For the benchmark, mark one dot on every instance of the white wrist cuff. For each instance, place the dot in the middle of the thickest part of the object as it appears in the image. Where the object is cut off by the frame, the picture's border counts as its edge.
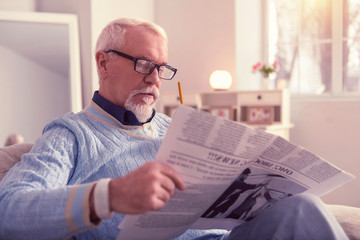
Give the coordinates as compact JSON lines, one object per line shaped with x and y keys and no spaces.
{"x":101,"y":199}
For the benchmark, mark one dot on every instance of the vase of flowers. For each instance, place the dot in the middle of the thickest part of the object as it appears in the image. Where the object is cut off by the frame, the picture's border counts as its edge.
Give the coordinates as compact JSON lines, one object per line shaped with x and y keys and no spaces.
{"x":267,"y":71}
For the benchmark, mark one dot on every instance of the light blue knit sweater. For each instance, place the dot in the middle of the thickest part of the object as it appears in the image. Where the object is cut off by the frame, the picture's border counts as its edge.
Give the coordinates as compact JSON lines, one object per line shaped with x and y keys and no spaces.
{"x":45,"y":196}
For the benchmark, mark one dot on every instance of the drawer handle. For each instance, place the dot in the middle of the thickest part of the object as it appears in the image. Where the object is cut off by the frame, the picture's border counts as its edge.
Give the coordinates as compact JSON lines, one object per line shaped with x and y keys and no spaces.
{"x":259,"y":97}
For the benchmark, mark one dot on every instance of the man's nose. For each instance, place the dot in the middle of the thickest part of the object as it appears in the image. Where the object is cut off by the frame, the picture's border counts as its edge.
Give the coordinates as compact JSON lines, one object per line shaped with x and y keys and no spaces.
{"x":153,"y":77}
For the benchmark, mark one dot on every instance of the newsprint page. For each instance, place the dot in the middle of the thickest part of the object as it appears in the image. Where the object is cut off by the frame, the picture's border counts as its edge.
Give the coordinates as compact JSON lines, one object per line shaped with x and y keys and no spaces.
{"x":231,"y":172}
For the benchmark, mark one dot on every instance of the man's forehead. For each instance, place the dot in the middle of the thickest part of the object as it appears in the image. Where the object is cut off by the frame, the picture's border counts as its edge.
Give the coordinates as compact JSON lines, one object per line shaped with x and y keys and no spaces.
{"x":144,"y":43}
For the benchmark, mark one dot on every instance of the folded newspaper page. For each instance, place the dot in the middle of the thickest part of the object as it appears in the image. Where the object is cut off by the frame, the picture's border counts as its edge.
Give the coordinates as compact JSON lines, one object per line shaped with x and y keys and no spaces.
{"x":232,"y":172}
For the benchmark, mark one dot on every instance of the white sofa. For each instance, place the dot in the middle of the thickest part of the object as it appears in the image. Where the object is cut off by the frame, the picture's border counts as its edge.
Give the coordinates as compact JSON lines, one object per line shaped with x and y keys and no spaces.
{"x":348,"y":217}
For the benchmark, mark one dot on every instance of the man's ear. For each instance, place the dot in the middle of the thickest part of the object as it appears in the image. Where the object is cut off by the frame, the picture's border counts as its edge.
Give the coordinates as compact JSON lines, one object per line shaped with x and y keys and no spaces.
{"x":102,"y":60}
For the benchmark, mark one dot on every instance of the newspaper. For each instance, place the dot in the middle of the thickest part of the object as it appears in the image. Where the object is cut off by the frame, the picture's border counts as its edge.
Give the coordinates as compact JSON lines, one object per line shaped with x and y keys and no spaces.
{"x":231,"y":172}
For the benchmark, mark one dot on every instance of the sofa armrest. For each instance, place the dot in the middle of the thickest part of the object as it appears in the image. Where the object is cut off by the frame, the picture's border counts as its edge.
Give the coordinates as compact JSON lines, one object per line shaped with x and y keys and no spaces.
{"x":10,"y":155}
{"x":349,"y":219}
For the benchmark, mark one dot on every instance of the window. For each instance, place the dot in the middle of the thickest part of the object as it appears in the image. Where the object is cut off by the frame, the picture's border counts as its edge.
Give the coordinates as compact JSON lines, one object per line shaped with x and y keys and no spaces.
{"x":317,"y":44}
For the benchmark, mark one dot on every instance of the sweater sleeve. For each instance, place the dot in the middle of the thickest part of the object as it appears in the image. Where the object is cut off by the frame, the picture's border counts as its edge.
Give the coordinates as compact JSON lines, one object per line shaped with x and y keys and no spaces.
{"x":36,"y":201}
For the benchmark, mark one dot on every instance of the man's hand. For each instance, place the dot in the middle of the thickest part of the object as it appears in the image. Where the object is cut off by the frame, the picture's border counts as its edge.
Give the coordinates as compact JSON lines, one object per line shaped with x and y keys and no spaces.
{"x":147,"y":188}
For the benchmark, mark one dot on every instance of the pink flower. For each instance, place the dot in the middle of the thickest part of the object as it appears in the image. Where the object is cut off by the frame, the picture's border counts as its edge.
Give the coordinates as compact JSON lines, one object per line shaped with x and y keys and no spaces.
{"x":257,"y":66}
{"x":264,"y":69}
{"x":276,"y":65}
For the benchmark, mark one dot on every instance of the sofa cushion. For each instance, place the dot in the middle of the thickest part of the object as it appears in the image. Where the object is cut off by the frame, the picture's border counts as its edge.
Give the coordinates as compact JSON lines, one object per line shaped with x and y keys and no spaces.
{"x":10,"y":155}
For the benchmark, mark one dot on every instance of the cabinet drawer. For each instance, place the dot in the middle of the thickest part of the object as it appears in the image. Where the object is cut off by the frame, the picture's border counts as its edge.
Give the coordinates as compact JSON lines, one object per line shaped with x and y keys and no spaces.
{"x":260,"y":98}
{"x":219,"y":99}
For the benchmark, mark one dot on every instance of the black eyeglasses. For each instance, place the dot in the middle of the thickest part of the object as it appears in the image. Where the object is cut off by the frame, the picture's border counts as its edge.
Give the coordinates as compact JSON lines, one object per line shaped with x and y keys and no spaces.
{"x":146,"y":67}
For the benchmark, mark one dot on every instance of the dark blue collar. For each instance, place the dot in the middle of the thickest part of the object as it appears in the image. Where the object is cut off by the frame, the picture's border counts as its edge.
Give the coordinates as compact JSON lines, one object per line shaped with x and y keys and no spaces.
{"x":126,"y":117}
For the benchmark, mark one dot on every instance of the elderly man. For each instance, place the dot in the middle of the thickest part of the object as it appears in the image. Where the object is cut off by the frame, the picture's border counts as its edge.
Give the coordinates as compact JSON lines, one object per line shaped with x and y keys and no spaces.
{"x":91,"y":168}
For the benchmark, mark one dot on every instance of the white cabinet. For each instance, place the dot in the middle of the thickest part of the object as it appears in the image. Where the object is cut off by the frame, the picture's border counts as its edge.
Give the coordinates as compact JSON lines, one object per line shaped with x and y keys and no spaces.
{"x":268,"y":110}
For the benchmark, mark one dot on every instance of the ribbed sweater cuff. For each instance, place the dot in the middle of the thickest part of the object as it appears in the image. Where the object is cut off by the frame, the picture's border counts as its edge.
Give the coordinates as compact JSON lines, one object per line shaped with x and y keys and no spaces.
{"x":101,"y":199}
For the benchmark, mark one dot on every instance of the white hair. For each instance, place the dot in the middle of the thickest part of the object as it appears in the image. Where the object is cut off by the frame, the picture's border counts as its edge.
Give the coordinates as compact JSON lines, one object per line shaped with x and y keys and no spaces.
{"x":113,"y":35}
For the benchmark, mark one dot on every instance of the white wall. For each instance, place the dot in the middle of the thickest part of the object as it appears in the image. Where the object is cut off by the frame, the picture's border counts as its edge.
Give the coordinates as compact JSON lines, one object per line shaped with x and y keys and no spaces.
{"x":249,"y":35}
{"x":25,"y":86}
{"x":207,"y":35}
{"x":17,"y":5}
{"x":330,"y":128}
{"x":201,"y":40}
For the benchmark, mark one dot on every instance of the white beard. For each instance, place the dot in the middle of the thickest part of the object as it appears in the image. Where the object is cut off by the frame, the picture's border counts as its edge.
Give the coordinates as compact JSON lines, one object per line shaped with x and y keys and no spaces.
{"x":143,"y":110}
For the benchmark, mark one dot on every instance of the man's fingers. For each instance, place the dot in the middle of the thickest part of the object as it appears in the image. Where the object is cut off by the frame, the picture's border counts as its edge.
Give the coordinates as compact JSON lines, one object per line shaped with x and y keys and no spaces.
{"x":168,"y":185}
{"x":164,"y":195}
{"x":147,"y":188}
{"x":174,"y":176}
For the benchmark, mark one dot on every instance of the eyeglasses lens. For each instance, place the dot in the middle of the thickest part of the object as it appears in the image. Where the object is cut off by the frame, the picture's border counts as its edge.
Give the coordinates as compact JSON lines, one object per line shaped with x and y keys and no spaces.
{"x":147,"y":67}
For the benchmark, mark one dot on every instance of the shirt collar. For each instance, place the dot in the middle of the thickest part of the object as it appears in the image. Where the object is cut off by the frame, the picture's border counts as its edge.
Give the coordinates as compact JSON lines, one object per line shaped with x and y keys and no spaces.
{"x":126,"y":117}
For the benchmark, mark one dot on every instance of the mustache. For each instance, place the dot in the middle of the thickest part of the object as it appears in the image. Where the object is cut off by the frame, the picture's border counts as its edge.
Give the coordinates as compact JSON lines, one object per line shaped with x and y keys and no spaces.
{"x":146,"y":90}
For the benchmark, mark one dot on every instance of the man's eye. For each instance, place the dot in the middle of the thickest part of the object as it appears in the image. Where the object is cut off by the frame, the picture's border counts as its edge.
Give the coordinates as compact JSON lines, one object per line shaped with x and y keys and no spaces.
{"x":144,"y":64}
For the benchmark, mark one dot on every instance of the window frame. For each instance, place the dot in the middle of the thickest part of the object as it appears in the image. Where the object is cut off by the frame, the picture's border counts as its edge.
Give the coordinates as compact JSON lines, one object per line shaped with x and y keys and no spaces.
{"x":337,"y":84}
